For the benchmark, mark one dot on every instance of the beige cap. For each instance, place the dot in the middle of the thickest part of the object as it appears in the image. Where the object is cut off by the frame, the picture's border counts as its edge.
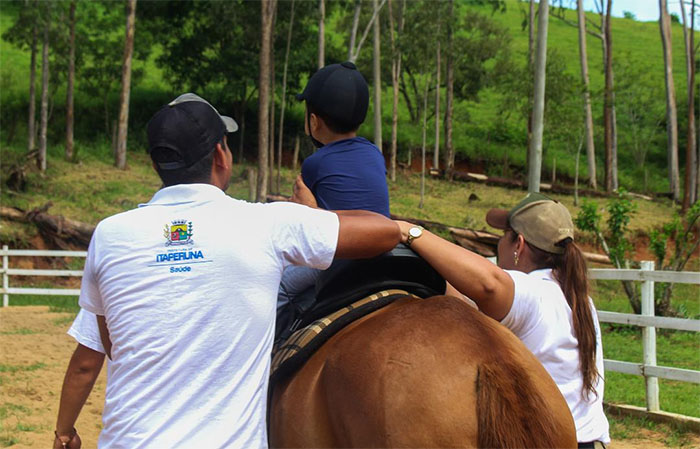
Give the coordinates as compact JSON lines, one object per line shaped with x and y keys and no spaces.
{"x":542,"y":221}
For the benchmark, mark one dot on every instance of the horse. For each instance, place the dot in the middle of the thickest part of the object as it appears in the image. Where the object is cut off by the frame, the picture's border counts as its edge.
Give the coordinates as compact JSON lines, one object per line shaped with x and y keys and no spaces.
{"x":429,"y":372}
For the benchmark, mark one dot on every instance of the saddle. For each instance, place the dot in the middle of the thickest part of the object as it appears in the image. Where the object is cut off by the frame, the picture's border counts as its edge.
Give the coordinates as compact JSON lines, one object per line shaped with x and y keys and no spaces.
{"x":346,"y":291}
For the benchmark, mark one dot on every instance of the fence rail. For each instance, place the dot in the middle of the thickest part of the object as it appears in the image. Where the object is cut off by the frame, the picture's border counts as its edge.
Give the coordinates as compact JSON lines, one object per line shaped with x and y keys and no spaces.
{"x":7,"y":272}
{"x":647,"y":321}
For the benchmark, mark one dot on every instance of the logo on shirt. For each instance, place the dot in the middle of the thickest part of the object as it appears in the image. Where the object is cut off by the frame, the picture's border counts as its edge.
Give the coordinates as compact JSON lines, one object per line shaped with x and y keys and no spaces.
{"x":178,"y":232}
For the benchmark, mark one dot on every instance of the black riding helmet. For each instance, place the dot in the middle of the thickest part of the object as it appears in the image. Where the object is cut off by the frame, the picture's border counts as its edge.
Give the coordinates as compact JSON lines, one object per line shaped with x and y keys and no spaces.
{"x":338,"y":92}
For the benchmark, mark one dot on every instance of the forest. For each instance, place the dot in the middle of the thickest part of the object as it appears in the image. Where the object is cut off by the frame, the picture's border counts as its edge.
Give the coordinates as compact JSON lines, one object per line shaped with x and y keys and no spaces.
{"x":453,"y":77}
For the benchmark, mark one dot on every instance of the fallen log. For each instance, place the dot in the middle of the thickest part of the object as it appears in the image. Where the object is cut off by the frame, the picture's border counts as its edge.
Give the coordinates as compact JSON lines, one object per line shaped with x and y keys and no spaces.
{"x":56,"y":230}
{"x":514,"y":183}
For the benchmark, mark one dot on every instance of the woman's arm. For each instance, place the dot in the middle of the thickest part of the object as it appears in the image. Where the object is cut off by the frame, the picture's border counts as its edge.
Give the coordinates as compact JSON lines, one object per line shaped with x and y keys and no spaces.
{"x":474,"y":276}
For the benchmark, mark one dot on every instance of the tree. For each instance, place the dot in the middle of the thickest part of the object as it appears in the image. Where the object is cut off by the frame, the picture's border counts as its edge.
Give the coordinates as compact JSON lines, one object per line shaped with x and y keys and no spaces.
{"x":449,"y":93}
{"x":377,"y":78}
{"x":690,"y":154}
{"x":321,"y":33}
{"x":436,"y":151}
{"x":44,"y":86}
{"x":120,"y":156}
{"x":609,"y":114}
{"x":671,"y":114}
{"x":590,"y":146}
{"x":534,"y":165}
{"x":267,"y":11}
{"x":284,"y":93}
{"x":355,"y":47}
{"x":641,"y":112}
{"x":71,"y":80}
{"x":24,"y":34}
{"x":395,"y":74}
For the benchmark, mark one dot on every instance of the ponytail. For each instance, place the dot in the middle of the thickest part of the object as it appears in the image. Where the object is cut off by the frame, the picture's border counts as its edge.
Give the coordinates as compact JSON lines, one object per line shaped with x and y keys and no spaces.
{"x":569,"y":269}
{"x":572,"y":275}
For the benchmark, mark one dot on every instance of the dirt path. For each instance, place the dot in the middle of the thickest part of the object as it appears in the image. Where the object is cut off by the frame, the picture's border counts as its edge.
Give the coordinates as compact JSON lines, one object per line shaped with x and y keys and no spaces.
{"x":33,"y":359}
{"x":34,"y":354}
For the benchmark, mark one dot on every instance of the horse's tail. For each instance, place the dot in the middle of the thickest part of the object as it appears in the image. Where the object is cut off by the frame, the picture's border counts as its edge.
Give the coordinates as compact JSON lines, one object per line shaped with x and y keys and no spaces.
{"x":511,"y":411}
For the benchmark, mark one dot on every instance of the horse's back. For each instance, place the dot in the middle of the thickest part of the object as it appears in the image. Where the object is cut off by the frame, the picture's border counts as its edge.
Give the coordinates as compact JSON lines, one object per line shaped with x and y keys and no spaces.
{"x":421,"y":373}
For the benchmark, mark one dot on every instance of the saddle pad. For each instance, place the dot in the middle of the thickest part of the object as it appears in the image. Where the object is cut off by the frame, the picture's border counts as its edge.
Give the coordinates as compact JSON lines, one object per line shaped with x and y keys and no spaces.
{"x":291,"y":354}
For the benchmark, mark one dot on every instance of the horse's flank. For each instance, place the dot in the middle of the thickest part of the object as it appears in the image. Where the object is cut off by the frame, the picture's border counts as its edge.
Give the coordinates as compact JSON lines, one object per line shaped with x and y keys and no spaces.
{"x":421,"y":373}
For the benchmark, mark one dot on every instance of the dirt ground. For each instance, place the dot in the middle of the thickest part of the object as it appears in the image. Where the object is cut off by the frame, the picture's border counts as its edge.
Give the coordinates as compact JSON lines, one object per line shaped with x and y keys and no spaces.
{"x":34,"y":353}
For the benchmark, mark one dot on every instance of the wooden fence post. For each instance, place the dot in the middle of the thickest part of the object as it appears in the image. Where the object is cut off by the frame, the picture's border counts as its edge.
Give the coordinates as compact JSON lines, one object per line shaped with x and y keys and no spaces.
{"x":5,"y":277}
{"x":649,"y":340}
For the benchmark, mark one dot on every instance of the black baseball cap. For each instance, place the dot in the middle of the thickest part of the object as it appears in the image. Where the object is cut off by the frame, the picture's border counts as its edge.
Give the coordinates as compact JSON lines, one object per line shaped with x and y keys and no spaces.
{"x":186,"y":130}
{"x":340,"y":92}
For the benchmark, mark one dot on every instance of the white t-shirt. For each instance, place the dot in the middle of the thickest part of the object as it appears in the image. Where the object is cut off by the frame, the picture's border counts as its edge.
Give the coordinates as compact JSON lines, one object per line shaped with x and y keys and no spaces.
{"x":188,"y":286}
{"x":541,"y":318}
{"x":85,"y":331}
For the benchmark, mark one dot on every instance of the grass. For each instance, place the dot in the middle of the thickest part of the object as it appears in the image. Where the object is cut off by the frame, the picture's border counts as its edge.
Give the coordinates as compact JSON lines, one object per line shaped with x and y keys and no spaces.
{"x":5,"y":368}
{"x":626,"y":427}
{"x":20,"y":331}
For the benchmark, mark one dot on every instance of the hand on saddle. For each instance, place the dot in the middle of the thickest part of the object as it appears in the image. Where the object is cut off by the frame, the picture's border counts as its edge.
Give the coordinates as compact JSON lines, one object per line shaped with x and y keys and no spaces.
{"x":302,"y":194}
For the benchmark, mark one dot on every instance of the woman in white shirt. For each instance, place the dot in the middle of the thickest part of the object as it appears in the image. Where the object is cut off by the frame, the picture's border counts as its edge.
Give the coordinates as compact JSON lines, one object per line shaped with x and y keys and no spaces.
{"x":539,"y":290}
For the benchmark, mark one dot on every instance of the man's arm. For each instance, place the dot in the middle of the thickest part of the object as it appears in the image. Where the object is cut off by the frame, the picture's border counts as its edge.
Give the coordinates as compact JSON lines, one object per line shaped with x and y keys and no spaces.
{"x":83,"y":369}
{"x":104,"y":335}
{"x":365,"y":234}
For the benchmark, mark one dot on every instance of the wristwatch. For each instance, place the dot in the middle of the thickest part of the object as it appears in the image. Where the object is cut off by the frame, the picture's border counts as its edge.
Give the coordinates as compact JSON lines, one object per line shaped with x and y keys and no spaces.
{"x":414,"y":233}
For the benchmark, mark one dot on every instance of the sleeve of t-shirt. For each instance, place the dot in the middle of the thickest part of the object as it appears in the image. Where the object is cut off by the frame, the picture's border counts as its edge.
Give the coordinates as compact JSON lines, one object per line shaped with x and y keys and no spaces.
{"x":524,"y":313}
{"x":90,"y":298}
{"x":309,"y":173}
{"x":85,"y":331}
{"x":305,"y":236}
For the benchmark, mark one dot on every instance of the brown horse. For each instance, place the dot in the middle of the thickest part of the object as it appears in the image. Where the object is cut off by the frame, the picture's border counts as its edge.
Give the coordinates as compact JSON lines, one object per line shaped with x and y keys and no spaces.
{"x":421,"y":373}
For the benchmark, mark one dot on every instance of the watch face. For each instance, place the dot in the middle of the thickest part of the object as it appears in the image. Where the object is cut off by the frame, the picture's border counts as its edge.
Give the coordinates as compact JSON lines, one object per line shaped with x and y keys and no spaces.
{"x":415,"y":232}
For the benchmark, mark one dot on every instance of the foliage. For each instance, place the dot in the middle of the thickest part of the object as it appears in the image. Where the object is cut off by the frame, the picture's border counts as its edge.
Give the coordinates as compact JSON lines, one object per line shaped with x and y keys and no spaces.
{"x":614,"y":238}
{"x":681,"y":234}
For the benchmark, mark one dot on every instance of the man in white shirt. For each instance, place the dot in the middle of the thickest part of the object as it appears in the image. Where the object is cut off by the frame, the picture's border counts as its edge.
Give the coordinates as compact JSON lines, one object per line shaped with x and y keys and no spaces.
{"x":185,"y":286}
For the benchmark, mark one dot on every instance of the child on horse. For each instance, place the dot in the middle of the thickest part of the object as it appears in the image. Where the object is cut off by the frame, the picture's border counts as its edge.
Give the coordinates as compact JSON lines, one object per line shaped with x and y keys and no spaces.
{"x":347,"y":172}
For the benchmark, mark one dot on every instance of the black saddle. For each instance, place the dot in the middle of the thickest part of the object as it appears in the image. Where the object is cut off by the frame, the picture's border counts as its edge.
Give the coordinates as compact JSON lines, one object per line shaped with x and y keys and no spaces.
{"x":347,"y":281}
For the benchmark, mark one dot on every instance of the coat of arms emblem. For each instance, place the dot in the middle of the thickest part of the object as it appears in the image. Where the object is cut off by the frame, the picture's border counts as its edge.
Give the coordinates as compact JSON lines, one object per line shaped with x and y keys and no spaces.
{"x":178,"y":232}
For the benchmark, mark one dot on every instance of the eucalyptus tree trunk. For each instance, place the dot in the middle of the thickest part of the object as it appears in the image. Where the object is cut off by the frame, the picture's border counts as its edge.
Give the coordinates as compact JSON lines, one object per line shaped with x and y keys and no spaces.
{"x":671,"y":113}
{"x":271,"y":140}
{"x":449,"y":95}
{"x":71,"y":80}
{"x":425,"y":127}
{"x":267,"y":9}
{"x":31,"y":124}
{"x":284,"y":95}
{"x":44,"y":96}
{"x":690,"y":155}
{"x":355,"y":25}
{"x":395,"y":69}
{"x":530,"y":66}
{"x":321,"y":33}
{"x":608,"y":117}
{"x":590,"y":145}
{"x":377,"y":76}
{"x":120,"y":159}
{"x":355,"y":52}
{"x":436,"y":151}
{"x":534,"y":167}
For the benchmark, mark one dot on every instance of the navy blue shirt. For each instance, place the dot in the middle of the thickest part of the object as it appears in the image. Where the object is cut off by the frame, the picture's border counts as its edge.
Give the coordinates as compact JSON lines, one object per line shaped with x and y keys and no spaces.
{"x":348,"y":174}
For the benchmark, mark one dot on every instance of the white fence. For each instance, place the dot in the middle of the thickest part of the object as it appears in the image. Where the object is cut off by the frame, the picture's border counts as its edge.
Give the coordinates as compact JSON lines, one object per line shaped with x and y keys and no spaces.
{"x":647,"y":321}
{"x":7,"y":272}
